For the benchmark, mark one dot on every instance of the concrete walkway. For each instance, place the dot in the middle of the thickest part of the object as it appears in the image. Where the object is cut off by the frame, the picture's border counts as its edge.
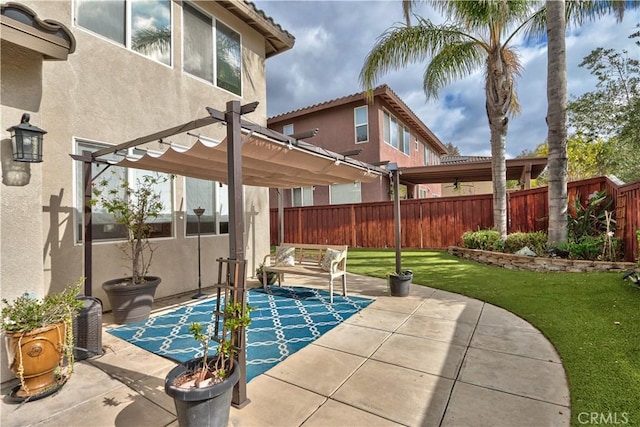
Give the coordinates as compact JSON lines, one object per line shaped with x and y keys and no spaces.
{"x":430,"y":359}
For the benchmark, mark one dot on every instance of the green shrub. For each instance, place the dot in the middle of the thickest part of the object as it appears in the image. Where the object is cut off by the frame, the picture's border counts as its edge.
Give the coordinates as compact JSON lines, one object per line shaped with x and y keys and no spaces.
{"x":481,"y":239}
{"x":590,"y":219}
{"x":536,"y":241}
{"x":592,"y":248}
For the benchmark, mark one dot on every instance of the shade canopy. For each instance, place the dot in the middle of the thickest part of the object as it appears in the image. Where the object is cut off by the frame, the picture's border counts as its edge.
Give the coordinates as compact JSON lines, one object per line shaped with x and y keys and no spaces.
{"x":521,"y":169}
{"x":265,"y":163}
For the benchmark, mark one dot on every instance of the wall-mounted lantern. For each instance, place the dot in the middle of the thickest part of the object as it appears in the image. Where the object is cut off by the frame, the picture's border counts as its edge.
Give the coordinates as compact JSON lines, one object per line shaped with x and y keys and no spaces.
{"x":26,"y":141}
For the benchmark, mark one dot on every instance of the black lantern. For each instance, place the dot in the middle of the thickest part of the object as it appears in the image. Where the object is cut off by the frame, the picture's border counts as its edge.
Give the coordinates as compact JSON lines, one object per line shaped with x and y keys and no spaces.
{"x":26,"y":141}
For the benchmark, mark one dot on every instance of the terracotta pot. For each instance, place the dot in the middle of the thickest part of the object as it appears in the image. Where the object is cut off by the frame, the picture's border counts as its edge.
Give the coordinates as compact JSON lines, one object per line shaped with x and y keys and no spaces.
{"x":37,"y":353}
{"x":131,"y":302}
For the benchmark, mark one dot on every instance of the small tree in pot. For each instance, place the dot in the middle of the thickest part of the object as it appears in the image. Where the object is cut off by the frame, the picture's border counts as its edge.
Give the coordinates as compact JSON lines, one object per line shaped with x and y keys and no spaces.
{"x":133,"y":208}
{"x":202,"y":387}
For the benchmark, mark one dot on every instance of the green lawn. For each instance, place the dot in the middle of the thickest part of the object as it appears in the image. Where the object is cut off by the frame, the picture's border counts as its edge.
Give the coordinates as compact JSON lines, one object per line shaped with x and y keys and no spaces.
{"x":592,"y":319}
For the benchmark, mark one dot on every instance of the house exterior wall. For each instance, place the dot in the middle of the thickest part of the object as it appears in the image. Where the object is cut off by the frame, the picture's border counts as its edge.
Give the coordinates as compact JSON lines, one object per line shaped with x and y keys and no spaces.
{"x":109,"y":94}
{"x":337,"y":133}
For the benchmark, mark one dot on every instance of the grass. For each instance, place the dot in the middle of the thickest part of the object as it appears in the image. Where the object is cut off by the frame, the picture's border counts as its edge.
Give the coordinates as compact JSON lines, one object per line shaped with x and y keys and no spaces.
{"x":592,"y":319}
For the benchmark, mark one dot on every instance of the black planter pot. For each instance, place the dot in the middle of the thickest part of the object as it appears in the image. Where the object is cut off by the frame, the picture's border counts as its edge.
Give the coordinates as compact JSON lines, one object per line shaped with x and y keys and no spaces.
{"x":399,"y":284}
{"x":131,"y":302}
{"x":207,"y":406}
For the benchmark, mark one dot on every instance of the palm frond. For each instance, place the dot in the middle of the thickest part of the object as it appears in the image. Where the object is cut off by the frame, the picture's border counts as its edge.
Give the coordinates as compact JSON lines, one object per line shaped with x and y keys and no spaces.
{"x":400,"y":46}
{"x":453,"y":62}
{"x":577,"y":12}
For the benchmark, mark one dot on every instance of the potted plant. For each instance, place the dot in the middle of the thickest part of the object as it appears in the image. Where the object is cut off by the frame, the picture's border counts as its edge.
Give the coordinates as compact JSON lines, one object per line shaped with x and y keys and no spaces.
{"x":272,"y":277}
{"x":133,"y":208}
{"x":39,"y":340}
{"x":202,"y":387}
{"x":400,"y":282}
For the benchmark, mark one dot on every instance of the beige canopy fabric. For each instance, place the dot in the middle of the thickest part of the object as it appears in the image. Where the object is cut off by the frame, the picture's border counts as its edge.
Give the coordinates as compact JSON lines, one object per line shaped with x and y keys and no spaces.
{"x":265,"y":163}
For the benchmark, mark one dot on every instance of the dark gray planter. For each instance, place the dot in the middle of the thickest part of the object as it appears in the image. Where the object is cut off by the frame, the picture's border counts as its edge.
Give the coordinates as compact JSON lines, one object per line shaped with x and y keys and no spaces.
{"x":207,"y":406}
{"x":272,"y":277}
{"x":131,"y":302}
{"x":399,"y":284}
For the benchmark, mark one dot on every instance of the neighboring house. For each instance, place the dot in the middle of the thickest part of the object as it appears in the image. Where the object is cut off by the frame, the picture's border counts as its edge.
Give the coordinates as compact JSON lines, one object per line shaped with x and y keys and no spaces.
{"x":87,"y":77}
{"x":384,"y":130}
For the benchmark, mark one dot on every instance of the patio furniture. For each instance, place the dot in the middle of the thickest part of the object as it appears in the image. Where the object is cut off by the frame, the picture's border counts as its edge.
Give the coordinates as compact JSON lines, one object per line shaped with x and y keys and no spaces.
{"x":325,"y":261}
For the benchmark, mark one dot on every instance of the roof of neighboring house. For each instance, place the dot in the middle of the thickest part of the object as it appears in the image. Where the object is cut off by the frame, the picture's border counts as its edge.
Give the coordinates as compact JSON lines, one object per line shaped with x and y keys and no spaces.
{"x":277,"y":39}
{"x":382,"y":91}
{"x":463,"y":159}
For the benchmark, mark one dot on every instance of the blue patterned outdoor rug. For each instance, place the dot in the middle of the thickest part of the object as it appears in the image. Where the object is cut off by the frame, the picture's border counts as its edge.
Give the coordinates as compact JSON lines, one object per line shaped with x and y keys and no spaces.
{"x":285,"y":319}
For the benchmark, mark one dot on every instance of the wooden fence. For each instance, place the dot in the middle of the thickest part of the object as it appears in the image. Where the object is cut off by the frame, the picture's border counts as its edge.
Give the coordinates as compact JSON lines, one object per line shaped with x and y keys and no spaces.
{"x":437,"y":223}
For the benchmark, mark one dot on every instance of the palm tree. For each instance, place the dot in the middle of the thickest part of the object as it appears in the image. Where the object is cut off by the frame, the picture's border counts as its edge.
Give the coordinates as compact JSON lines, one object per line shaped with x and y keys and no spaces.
{"x":557,"y":121}
{"x":557,"y":14}
{"x":479,"y":36}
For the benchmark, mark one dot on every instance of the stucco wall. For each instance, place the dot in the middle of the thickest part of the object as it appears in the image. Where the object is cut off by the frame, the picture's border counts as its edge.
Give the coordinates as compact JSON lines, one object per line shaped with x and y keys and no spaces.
{"x":108,"y":94}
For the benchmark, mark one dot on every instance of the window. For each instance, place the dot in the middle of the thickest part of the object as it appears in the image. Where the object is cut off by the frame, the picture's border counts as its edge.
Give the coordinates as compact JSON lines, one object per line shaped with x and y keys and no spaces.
{"x":345,"y":193}
{"x":386,"y":126}
{"x":395,"y":133}
{"x":199,"y":61}
{"x":228,"y":61}
{"x":143,"y":26}
{"x":214,"y":198}
{"x":287,"y":130}
{"x":406,"y":140}
{"x":430,"y":156}
{"x":417,"y":144}
{"x":103,"y":223}
{"x":302,"y":196}
{"x":361,"y":124}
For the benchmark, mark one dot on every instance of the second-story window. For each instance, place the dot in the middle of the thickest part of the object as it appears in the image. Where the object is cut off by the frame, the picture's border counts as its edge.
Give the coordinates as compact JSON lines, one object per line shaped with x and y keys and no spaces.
{"x":143,"y":26}
{"x":287,"y":129}
{"x":361,"y":124}
{"x":202,"y":59}
{"x":406,"y":140}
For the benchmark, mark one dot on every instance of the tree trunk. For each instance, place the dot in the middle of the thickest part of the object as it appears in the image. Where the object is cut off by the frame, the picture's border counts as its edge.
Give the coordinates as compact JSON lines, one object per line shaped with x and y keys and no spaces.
{"x":499,"y":91}
{"x":557,"y":120}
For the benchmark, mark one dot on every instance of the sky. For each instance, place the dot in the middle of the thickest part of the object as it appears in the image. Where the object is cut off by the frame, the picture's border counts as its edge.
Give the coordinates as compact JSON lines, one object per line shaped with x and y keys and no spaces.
{"x":334,"y":37}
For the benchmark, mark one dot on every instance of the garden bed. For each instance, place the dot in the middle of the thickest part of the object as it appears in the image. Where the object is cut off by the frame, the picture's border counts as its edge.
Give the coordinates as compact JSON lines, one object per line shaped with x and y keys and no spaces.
{"x":521,"y":262}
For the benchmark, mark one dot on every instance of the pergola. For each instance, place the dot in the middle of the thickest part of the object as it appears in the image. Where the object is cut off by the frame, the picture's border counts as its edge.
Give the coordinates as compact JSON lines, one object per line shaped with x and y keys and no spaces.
{"x":250,"y":154}
{"x":522,"y":169}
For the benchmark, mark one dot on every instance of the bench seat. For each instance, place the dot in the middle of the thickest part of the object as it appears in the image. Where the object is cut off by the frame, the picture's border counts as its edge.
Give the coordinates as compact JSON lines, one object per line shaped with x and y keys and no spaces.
{"x":308,"y":261}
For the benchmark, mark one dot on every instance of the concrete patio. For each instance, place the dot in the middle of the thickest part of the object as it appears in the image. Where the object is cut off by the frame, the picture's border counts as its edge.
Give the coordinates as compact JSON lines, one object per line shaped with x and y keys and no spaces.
{"x":430,"y":359}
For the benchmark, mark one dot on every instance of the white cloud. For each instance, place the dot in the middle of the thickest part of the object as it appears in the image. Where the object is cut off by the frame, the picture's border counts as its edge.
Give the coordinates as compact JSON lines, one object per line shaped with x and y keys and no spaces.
{"x":333,"y":38}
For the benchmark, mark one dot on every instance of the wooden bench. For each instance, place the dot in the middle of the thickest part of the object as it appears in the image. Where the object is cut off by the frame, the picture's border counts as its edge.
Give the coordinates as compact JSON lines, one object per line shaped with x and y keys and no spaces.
{"x":308,"y":261}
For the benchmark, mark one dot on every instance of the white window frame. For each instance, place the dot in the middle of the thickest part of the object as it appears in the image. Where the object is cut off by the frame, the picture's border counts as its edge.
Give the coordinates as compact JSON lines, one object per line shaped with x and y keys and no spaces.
{"x":128,"y":32}
{"x":357,"y":189}
{"x":306,"y":196}
{"x":288,"y":129}
{"x":131,"y":174}
{"x":357,"y":125}
{"x":214,"y":57}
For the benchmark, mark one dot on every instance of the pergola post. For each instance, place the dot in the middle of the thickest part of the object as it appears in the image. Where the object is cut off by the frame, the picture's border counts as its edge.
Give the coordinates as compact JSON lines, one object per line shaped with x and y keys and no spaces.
{"x":236,"y":231}
{"x":395,"y":174}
